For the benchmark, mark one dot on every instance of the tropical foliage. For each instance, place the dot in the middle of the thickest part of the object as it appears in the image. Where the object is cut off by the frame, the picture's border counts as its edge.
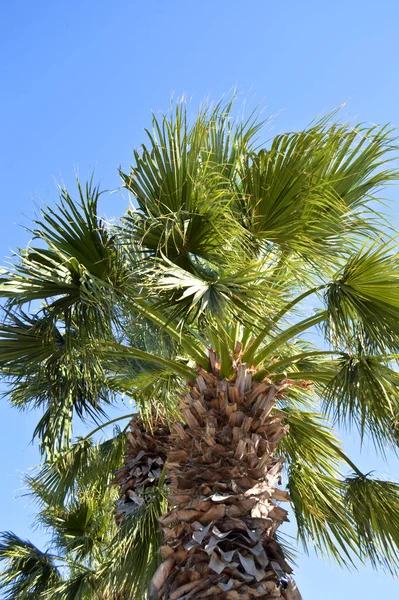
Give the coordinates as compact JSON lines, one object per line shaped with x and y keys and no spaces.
{"x":233,"y":245}
{"x":87,"y":552}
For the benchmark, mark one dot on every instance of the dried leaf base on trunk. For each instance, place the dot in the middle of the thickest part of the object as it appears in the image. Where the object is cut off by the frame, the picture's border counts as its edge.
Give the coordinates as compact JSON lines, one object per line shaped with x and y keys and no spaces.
{"x":145,"y":460}
{"x":219,"y":537}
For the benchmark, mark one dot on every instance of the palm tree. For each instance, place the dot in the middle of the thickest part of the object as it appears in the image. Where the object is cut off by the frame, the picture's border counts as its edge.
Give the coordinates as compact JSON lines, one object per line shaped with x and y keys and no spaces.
{"x":198,"y":305}
{"x":81,"y":528}
{"x":86,"y":551}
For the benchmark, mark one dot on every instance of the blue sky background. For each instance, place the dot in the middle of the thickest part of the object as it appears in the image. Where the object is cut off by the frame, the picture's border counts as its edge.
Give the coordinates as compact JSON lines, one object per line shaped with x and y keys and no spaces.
{"x":78,"y":80}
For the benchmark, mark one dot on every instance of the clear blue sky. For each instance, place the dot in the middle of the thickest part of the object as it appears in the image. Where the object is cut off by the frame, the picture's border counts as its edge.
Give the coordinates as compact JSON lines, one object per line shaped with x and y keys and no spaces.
{"x":78,"y":80}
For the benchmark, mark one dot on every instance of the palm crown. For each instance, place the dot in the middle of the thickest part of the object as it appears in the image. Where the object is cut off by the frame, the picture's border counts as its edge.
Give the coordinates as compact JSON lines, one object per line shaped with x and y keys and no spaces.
{"x":232,"y":252}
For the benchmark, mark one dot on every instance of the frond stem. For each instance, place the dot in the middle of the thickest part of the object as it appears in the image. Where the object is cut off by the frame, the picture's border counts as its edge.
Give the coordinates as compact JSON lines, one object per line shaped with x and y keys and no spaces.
{"x":250,"y":352}
{"x":287,"y":334}
{"x":297,"y":357}
{"x":109,"y":423}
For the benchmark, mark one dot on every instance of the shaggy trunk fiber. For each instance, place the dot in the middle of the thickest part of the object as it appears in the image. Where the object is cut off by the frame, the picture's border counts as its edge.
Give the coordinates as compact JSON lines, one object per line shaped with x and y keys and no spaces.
{"x":145,"y":461}
{"x":220,"y":534}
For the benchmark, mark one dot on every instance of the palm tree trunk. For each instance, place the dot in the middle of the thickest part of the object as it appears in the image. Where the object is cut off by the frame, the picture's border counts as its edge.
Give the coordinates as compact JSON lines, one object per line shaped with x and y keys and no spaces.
{"x":220,"y":534}
{"x":145,"y":461}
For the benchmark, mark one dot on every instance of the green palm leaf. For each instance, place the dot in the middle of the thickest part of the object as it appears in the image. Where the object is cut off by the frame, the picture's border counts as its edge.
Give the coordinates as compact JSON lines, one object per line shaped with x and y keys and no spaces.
{"x":29,"y":572}
{"x":84,"y":463}
{"x":363,"y":301}
{"x":82,"y":585}
{"x":79,"y":261}
{"x":364,"y":391}
{"x":134,"y":552}
{"x":307,"y":191}
{"x":316,"y":488}
{"x":374,"y":504}
{"x":49,"y":368}
{"x":182,"y":181}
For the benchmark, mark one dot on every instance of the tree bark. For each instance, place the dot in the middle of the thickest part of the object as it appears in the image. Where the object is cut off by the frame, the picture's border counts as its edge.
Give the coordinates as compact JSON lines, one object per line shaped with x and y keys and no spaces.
{"x":220,"y":534}
{"x":145,"y":460}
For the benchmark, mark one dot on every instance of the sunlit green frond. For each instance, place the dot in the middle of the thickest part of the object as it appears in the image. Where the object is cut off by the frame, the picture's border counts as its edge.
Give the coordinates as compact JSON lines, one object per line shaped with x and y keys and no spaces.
{"x":189,"y":340}
{"x":83,"y":465}
{"x":258,"y":353}
{"x":27,"y":340}
{"x":246,"y":291}
{"x":28,"y":572}
{"x":76,"y":229}
{"x":82,"y":527}
{"x":55,"y":479}
{"x":363,"y":301}
{"x":163,"y":174}
{"x":307,"y":192}
{"x":185,"y":237}
{"x":321,"y":512}
{"x":48,"y":365}
{"x":45,"y":355}
{"x":182,"y":182}
{"x":309,"y":438}
{"x":41,"y":275}
{"x":133,"y":377}
{"x":364,"y":391}
{"x":106,"y":457}
{"x":152,"y":387}
{"x":314,"y":482}
{"x":77,"y":265}
{"x":134,"y":552}
{"x":166,"y":171}
{"x":374,"y":505}
{"x":114,"y":351}
{"x":228,"y":138}
{"x":71,"y":381}
{"x":83,"y":584}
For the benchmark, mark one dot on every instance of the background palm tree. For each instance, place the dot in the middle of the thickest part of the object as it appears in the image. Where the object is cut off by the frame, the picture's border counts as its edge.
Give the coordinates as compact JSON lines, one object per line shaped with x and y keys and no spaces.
{"x":87,"y":552}
{"x":198,"y":306}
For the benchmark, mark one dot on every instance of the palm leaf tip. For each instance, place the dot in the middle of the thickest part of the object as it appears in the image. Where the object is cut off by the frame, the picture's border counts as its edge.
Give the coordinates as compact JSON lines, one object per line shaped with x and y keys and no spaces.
{"x":135,"y":550}
{"x":316,"y":490}
{"x":29,"y":572}
{"x":374,"y":505}
{"x":364,"y":391}
{"x":363,"y":301}
{"x":329,"y":170}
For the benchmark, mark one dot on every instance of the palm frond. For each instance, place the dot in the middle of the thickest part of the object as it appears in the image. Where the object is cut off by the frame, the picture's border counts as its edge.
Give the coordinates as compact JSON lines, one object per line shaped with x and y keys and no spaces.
{"x":310,"y":438}
{"x":258,"y":353}
{"x":245,"y":292}
{"x":364,"y":392}
{"x":70,"y":381}
{"x":322,"y":516}
{"x":84,"y":465}
{"x":316,"y":488}
{"x":82,"y":527}
{"x":83,"y":584}
{"x":308,"y":191}
{"x":134,"y":552}
{"x":75,"y":229}
{"x":27,"y":340}
{"x":363,"y":300}
{"x":114,"y":351}
{"x":152,"y":387}
{"x":29,"y":572}
{"x":374,"y":505}
{"x":80,"y":266}
{"x":188,"y":339}
{"x":182,"y":182}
